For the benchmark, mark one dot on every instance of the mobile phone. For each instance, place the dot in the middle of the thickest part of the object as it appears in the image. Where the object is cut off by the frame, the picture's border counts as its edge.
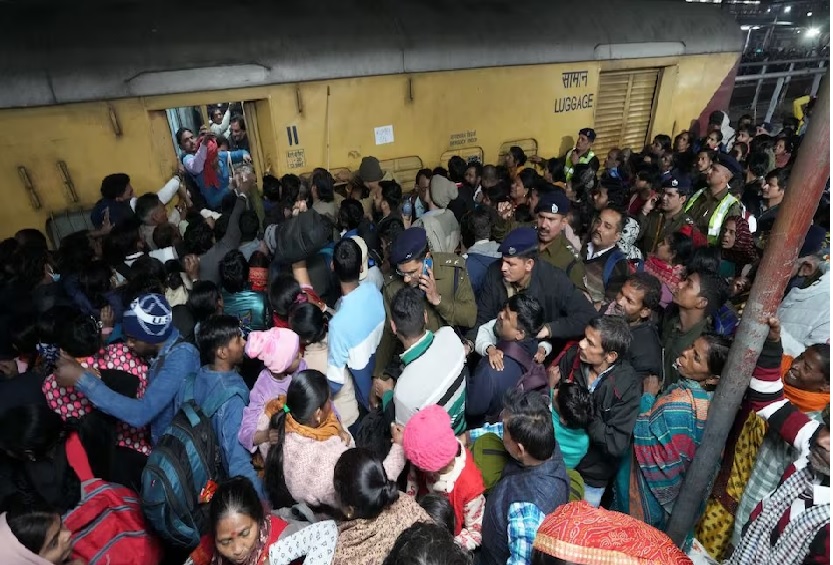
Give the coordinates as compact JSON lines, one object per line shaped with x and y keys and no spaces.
{"x":427,"y":264}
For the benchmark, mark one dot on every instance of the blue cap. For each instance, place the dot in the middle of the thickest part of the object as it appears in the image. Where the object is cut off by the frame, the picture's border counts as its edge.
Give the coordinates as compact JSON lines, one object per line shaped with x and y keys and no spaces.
{"x":410,"y":244}
{"x":813,"y":241}
{"x":679,"y":180}
{"x":553,"y":202}
{"x":726,"y":160}
{"x":519,"y":241}
{"x":589,"y":132}
{"x":148,"y":319}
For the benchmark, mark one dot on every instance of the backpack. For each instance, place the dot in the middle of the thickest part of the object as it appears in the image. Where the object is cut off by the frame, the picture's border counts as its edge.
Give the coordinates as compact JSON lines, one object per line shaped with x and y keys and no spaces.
{"x":491,"y":457}
{"x":634,"y":266}
{"x":186,"y":458}
{"x":535,"y":374}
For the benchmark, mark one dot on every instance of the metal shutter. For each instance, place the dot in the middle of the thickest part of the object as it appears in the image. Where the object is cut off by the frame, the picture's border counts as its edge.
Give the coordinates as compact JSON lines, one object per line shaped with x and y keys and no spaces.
{"x":624,"y":110}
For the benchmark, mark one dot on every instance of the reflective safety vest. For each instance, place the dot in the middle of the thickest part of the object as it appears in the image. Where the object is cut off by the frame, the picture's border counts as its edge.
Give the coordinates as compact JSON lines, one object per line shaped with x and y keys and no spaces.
{"x":583,"y":160}
{"x":719,"y":214}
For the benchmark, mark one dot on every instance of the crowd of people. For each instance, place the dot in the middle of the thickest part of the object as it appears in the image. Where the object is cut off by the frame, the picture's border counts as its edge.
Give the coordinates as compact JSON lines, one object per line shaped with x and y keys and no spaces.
{"x":509,"y":363}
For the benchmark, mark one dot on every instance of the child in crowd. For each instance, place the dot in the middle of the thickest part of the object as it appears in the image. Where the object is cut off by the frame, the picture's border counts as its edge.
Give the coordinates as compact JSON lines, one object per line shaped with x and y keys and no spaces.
{"x":221,"y":393}
{"x":439,"y":508}
{"x":34,"y":537}
{"x":305,"y":432}
{"x":668,"y":264}
{"x":442,"y":465}
{"x":572,"y":410}
{"x":279,"y":350}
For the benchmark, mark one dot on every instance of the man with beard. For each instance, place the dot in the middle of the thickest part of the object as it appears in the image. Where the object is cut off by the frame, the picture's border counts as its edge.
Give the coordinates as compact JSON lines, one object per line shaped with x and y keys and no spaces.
{"x":606,"y":267}
{"x":442,"y":277}
{"x":553,"y":247}
{"x":636,"y":303}
{"x":792,"y":524}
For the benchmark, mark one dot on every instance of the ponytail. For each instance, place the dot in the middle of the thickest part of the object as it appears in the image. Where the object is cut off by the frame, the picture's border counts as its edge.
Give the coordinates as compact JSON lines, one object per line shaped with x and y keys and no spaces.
{"x":273,"y":478}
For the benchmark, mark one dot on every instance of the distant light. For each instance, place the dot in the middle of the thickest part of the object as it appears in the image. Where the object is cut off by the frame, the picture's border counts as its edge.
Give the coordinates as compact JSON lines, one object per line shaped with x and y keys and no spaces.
{"x":768,"y":10}
{"x":809,"y":14}
{"x":787,"y":9}
{"x":813,"y":31}
{"x":745,"y":28}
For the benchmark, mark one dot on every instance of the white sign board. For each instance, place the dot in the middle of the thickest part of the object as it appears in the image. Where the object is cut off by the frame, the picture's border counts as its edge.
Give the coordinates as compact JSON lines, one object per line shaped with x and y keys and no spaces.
{"x":384,"y":134}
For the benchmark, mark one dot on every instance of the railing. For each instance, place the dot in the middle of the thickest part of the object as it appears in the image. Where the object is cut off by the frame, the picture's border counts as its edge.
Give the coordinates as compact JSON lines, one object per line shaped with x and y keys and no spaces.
{"x":815,"y":67}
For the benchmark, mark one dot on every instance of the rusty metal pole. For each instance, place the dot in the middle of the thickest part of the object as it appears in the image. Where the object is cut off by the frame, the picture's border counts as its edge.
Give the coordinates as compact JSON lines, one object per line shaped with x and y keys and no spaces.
{"x":807,"y":182}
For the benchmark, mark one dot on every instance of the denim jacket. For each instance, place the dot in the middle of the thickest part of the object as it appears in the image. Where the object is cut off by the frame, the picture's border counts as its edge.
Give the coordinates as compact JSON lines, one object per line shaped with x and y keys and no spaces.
{"x":166,"y":374}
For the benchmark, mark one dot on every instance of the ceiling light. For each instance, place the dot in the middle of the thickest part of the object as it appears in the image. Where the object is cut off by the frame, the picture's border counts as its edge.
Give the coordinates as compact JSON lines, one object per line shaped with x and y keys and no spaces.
{"x":787,"y":9}
{"x":809,"y":14}
{"x":813,"y":31}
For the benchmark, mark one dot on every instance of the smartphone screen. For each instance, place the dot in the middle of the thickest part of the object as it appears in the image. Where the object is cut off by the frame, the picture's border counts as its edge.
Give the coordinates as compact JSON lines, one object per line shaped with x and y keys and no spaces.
{"x":428,"y":263}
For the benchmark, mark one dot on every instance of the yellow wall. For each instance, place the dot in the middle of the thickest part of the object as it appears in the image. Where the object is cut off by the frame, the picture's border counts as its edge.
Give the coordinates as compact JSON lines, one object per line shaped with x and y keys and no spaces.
{"x":487,"y":106}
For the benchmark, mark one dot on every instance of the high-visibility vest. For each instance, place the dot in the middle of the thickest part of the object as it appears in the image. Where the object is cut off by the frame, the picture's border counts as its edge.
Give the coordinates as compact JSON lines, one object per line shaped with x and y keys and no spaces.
{"x":719,"y":214}
{"x":583,"y":160}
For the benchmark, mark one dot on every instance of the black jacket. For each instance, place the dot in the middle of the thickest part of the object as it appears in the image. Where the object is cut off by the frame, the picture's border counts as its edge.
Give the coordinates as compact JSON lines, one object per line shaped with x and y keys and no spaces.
{"x":566,"y":310}
{"x":645,"y":353}
{"x":615,"y":406}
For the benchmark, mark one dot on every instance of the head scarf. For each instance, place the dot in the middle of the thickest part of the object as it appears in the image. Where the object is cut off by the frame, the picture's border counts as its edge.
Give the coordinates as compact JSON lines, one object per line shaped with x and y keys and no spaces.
{"x":743,"y":251}
{"x":627,"y":241}
{"x":579,"y":533}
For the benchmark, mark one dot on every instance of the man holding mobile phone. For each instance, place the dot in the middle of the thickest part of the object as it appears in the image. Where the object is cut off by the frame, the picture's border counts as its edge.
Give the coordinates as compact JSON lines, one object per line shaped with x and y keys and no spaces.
{"x":665,"y":213}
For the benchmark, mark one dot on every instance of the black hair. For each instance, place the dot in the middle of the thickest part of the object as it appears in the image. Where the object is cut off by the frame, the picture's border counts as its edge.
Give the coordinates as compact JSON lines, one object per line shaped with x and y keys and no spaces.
{"x":530,"y":313}
{"x":113,"y":186}
{"x":234,"y":272}
{"x":823,"y":351}
{"x":682,"y":246}
{"x":528,"y":178}
{"x":95,"y":283}
{"x":221,"y":223}
{"x":249,"y":225}
{"x":391,"y":193}
{"x":441,"y":171}
{"x":123,"y":240}
{"x":575,"y":405}
{"x":199,"y":238}
{"x":650,"y":174}
{"x":650,"y":287}
{"x":203,"y":300}
{"x":758,"y":163}
{"x":308,"y":321}
{"x":239,"y":121}
{"x":291,"y":189}
{"x":713,"y":288}
{"x":271,"y":188}
{"x":498,"y":193}
{"x":165,"y":235}
{"x":664,"y":141}
{"x":324,"y":184}
{"x":617,"y":193}
{"x":623,"y":216}
{"x":362,"y":484}
{"x":180,"y":132}
{"x":615,"y":334}
{"x":782,"y":175}
{"x":457,"y":169}
{"x":719,"y":346}
{"x":350,"y":214}
{"x":145,"y":205}
{"x":347,"y":260}
{"x":307,"y":393}
{"x":75,"y":253}
{"x":30,"y":525}
{"x":476,"y":226}
{"x":705,"y":258}
{"x":718,"y":133}
{"x":423,"y":173}
{"x":426,"y":544}
{"x":527,"y":419}
{"x":283,"y":294}
{"x":407,"y":312}
{"x":439,"y":508}
{"x":147,"y":274}
{"x":216,"y":332}
{"x":236,"y":495}
{"x":789,"y":143}
{"x":583,"y":181}
{"x":478,"y":168}
{"x":679,"y":136}
{"x":762,"y":143}
{"x":173,"y":272}
{"x":556,"y":169}
{"x":518,"y":154}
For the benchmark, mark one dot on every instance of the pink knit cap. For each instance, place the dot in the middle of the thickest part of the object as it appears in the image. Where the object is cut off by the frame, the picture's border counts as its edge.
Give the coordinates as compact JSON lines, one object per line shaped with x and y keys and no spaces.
{"x":277,"y":348}
{"x":428,"y":441}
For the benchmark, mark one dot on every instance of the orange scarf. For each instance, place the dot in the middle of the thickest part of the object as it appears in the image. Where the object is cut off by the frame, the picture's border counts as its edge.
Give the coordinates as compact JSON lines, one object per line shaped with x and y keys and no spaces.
{"x":328,"y":428}
{"x":805,"y":400}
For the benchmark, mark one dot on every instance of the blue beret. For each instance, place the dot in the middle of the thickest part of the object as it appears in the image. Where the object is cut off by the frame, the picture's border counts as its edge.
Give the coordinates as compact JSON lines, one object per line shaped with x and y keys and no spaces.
{"x":519,"y":241}
{"x":589,"y":132}
{"x":679,"y":180}
{"x":553,"y":202}
{"x":410,"y":244}
{"x":726,"y":160}
{"x":813,"y":241}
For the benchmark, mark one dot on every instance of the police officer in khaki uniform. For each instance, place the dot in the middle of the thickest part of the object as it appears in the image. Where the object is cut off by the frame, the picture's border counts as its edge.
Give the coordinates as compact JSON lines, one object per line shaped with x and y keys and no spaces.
{"x":709,"y":207}
{"x":553,"y":247}
{"x":655,"y":224}
{"x":441,"y":276}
